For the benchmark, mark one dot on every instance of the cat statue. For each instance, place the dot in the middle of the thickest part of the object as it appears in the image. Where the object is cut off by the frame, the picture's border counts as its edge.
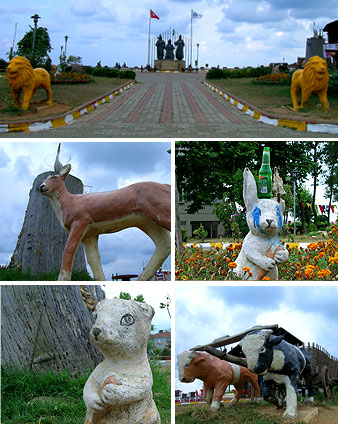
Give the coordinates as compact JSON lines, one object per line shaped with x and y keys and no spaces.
{"x":261,"y":250}
{"x":119,"y":390}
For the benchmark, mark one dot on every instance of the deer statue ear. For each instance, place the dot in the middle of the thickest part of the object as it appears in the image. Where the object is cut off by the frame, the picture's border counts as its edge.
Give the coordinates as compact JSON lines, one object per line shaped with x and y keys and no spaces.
{"x":65,"y":170}
{"x":249,"y":189}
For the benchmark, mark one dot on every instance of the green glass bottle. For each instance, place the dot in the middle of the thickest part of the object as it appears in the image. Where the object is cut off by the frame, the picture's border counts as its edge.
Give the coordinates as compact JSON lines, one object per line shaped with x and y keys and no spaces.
{"x":265,"y":176}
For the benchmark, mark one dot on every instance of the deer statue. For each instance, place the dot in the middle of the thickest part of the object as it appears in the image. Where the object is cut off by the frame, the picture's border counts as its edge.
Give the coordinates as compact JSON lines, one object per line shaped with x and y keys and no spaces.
{"x":143,"y":205}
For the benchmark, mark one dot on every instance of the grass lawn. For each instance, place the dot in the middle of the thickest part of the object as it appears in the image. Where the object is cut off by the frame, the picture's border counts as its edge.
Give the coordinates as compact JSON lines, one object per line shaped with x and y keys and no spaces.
{"x":276,"y":100}
{"x":56,"y":398}
{"x":12,"y":274}
{"x":67,"y":95}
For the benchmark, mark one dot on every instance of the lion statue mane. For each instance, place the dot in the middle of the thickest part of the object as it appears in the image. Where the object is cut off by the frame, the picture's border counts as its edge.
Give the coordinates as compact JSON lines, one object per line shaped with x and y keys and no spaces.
{"x":22,"y":78}
{"x":313,"y":79}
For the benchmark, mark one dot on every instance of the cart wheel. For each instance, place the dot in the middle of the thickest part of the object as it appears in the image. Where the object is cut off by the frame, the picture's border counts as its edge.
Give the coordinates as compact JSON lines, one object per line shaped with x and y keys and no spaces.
{"x":328,"y":390}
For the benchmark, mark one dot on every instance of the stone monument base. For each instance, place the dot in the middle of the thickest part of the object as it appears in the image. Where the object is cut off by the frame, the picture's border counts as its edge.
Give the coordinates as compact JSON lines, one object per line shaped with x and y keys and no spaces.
{"x":170,"y":65}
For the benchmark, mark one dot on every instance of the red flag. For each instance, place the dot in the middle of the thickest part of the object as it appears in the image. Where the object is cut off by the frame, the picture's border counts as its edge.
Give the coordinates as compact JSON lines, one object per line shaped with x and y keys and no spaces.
{"x":153,"y":15}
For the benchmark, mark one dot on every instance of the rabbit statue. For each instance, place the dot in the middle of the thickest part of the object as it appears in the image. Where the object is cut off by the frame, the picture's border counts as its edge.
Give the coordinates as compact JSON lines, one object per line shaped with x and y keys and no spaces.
{"x":261,"y":250}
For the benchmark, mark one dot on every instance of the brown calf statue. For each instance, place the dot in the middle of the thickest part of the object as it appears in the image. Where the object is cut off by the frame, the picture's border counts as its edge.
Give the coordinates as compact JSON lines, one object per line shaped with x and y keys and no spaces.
{"x":143,"y":205}
{"x":216,"y":375}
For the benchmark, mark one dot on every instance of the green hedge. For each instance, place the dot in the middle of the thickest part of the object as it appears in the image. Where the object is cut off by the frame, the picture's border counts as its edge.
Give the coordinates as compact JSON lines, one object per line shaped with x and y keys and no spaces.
{"x":247,"y":72}
{"x":109,"y":72}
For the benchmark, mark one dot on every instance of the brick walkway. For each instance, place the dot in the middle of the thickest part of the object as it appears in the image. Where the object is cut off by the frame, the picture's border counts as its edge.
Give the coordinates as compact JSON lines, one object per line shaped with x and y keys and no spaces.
{"x":172,"y":106}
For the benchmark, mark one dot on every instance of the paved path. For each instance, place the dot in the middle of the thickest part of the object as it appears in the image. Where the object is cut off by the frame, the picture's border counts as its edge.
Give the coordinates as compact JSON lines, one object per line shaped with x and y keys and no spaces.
{"x":172,"y":106}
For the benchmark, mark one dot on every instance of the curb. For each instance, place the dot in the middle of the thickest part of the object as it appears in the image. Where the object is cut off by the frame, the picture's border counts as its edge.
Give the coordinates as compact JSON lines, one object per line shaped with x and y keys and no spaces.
{"x":65,"y":119}
{"x":271,"y":119}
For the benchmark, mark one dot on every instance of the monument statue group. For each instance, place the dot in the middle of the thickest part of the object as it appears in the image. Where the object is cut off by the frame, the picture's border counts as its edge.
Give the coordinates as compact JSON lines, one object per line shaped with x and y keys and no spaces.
{"x":166,"y":54}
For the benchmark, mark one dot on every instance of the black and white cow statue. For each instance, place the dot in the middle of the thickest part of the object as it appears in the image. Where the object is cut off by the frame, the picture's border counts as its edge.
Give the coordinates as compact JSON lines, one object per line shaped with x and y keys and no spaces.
{"x":281,"y":364}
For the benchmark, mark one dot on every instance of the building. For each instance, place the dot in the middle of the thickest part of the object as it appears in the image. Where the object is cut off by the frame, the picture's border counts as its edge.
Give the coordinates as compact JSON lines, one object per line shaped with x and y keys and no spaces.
{"x":204,"y":216}
{"x":162,"y":339}
{"x":331,"y":48}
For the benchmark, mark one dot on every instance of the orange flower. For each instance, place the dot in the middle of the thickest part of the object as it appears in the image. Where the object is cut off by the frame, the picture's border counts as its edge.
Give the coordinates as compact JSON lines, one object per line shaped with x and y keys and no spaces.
{"x":228,"y":260}
{"x":312,"y":246}
{"x":323,"y":273}
{"x":232,"y":265}
{"x":246,"y":269}
{"x":298,"y":274}
{"x":266,"y":278}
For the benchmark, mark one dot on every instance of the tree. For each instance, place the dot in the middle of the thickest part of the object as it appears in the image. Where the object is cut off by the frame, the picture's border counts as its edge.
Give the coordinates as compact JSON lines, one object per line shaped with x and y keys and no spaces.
{"x":74,"y":60}
{"x":39,"y":57}
{"x":205,"y":169}
{"x":46,"y":328}
{"x":330,"y":158}
{"x":127,"y":296}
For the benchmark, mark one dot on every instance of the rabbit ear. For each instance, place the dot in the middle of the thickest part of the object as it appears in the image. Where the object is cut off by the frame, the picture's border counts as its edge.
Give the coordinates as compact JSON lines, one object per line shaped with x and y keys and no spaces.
{"x":249,"y":189}
{"x":281,"y":205}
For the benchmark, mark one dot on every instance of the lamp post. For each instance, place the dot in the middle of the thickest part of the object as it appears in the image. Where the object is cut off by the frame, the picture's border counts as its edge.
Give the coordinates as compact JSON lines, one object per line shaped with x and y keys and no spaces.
{"x":66,"y":39}
{"x":294,"y":179}
{"x":35,"y":18}
{"x":198,"y":47}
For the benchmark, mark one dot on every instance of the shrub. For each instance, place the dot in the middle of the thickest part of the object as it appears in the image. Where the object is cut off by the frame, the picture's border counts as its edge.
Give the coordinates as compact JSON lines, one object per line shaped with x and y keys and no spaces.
{"x":333,"y":83}
{"x":247,"y":72}
{"x":70,"y":78}
{"x":109,"y":72}
{"x":217,"y":73}
{"x":201,"y":233}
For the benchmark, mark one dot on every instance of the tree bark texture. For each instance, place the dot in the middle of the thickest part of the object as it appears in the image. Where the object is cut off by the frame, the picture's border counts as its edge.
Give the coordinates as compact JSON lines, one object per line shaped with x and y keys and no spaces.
{"x":46,"y":328}
{"x":42,"y":239}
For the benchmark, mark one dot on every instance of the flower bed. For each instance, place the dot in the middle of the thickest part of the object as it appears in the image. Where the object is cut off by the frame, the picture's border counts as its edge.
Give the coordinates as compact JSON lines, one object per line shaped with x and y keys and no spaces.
{"x":319,"y":261}
{"x":70,"y":78}
{"x":282,"y":79}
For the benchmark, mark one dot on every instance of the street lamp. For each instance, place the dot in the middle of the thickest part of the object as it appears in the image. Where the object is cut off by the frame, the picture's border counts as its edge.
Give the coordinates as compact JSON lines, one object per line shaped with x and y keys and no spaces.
{"x":66,"y":39}
{"x":294,"y":179}
{"x":35,"y":18}
{"x":198,"y":46}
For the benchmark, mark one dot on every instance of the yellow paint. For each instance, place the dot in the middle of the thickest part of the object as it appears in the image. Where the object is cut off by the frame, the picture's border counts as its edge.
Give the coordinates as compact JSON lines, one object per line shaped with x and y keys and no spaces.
{"x":19,"y":127}
{"x":256,"y":115}
{"x":298,"y":125}
{"x":59,"y":122}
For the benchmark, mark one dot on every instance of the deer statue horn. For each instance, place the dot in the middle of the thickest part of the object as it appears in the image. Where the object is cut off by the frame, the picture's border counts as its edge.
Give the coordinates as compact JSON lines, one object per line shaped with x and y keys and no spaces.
{"x":57,"y":164}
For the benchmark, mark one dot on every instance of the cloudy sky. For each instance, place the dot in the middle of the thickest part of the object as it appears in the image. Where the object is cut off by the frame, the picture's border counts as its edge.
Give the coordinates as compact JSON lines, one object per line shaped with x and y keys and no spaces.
{"x":154,"y":294}
{"x":230,"y":33}
{"x":102,"y":166}
{"x":203,"y":314}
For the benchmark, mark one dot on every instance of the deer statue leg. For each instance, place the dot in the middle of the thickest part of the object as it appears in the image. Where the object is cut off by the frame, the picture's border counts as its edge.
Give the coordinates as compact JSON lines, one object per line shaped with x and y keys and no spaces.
{"x":93,"y":256}
{"x":73,"y":241}
{"x":161,"y":237}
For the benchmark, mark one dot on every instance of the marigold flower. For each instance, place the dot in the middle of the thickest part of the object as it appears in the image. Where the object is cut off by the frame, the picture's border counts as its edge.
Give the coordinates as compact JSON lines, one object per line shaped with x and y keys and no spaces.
{"x":228,"y":260}
{"x":323,"y":273}
{"x":232,"y":265}
{"x":246,"y":269}
{"x":266,"y":278}
{"x":298,"y":274}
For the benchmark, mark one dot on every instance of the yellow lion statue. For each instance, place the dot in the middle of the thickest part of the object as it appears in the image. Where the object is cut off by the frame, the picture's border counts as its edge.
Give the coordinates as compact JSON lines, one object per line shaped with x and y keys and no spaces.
{"x":313,"y":79}
{"x":22,"y":78}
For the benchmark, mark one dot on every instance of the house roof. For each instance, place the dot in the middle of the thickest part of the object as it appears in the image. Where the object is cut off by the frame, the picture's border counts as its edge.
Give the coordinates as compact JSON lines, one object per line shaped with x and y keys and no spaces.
{"x":165,"y":334}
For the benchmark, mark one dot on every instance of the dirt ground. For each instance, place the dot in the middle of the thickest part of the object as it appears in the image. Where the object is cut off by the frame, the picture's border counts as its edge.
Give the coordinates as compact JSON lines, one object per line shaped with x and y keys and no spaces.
{"x":36,"y":111}
{"x":326,"y":414}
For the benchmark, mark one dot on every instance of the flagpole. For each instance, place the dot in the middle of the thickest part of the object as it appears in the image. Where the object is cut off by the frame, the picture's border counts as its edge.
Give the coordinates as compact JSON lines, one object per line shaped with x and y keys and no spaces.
{"x":190,"y":36}
{"x":149,"y":38}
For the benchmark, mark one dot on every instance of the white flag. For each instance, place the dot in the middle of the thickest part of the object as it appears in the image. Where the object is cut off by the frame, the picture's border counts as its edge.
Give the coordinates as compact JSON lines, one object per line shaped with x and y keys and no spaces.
{"x":196,"y":15}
